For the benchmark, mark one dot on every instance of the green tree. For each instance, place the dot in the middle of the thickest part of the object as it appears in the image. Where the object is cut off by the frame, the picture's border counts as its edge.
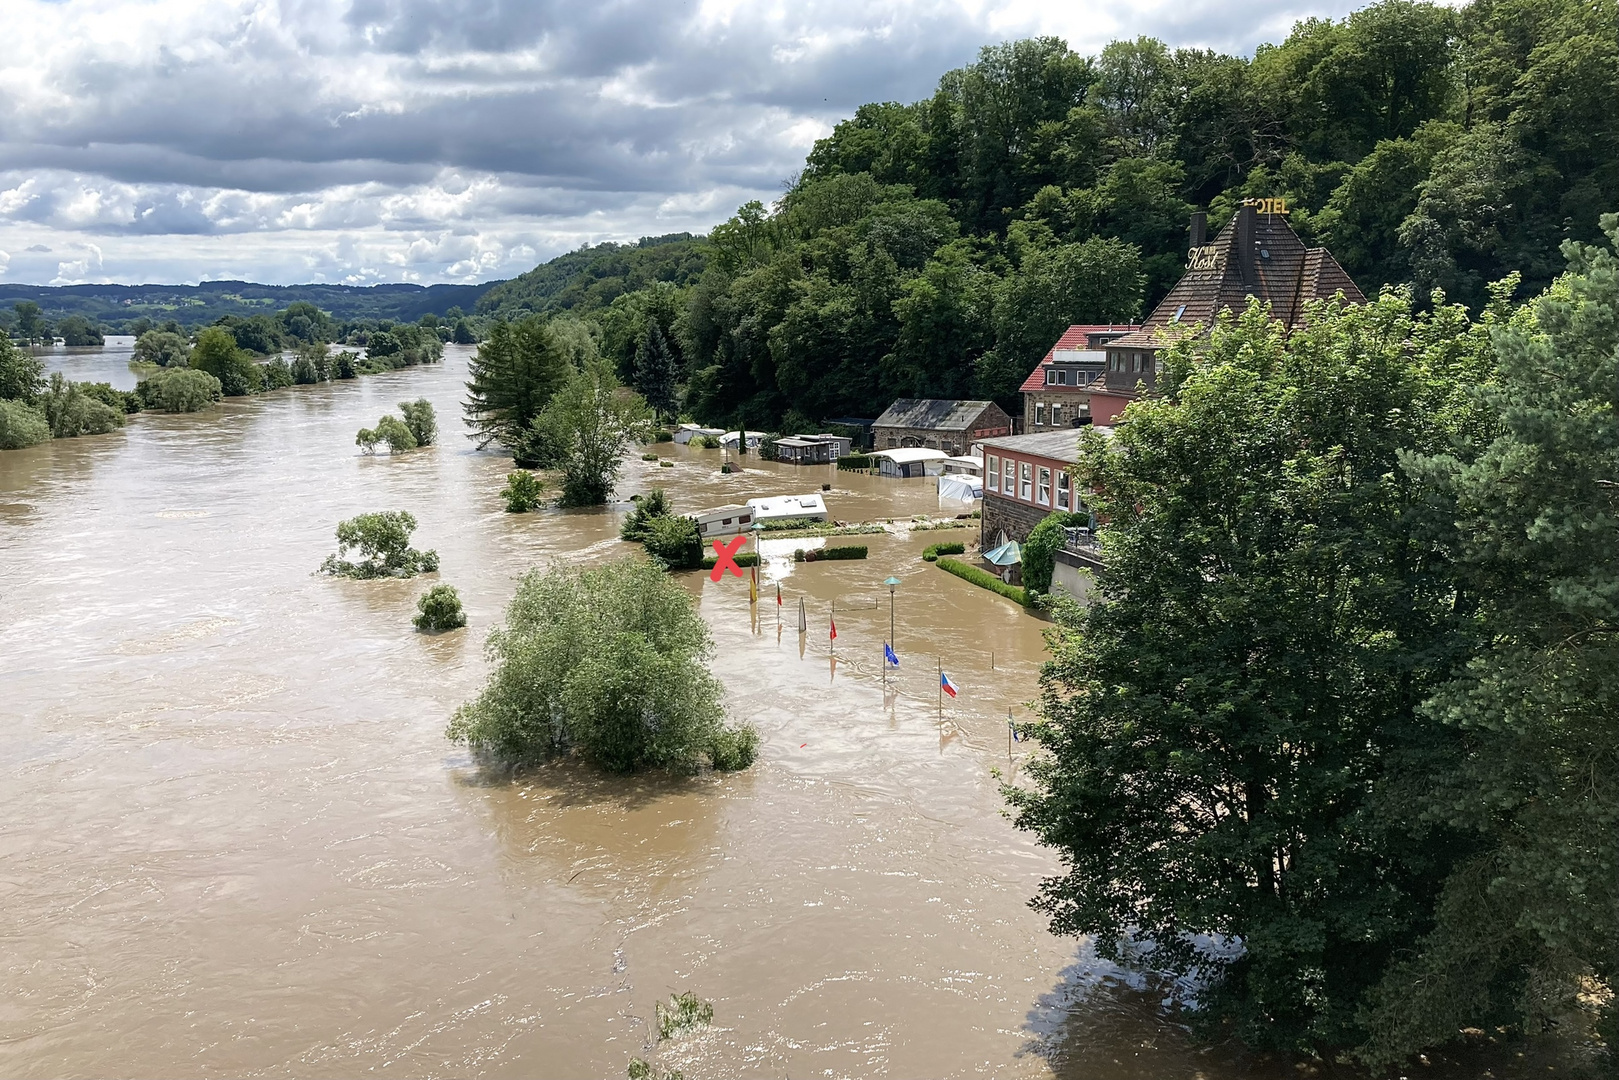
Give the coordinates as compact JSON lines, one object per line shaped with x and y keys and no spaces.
{"x":673,"y":541}
{"x":1233,"y":742}
{"x":656,"y":371}
{"x":382,"y":539}
{"x":646,"y":510}
{"x":76,"y":330}
{"x":1040,"y":550}
{"x":216,"y":353}
{"x":22,"y":375}
{"x":522,"y":491}
{"x":1533,"y":910}
{"x":421,"y":420}
{"x":21,"y":424}
{"x":71,"y":412}
{"x":516,"y":370}
{"x":396,"y":433}
{"x":439,"y":609}
{"x":462,"y":334}
{"x":178,"y":390}
{"x":588,"y":424}
{"x":609,"y":663}
{"x":31,"y":325}
{"x":163,"y":348}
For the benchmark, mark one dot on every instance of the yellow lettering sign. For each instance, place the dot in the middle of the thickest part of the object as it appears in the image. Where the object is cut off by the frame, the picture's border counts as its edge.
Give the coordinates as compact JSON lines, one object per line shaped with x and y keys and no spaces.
{"x":1202,"y":258}
{"x":1268,"y":206}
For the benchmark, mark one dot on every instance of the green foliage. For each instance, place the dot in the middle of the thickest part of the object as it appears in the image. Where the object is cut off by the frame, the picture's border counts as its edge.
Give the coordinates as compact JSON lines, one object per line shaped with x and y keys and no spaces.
{"x":705,"y":442}
{"x":126,"y":401}
{"x":590,"y":278}
{"x":439,"y":609}
{"x":71,"y":412}
{"x":674,"y":541}
{"x":983,"y":579}
{"x":22,"y":375}
{"x":396,"y":433}
{"x":743,"y":559}
{"x":311,"y":365}
{"x":78,"y":331}
{"x":1532,"y":909}
{"x":734,"y":749}
{"x":1231,"y":730}
{"x":586,"y":426}
{"x":857,"y":461}
{"x":517,"y":369}
{"x":421,"y":420}
{"x":217,"y":353}
{"x":178,"y":390}
{"x":655,"y":505}
{"x":164,"y":348}
{"x":608,"y":663}
{"x":932,"y":552}
{"x":21,"y":424}
{"x":656,"y":370}
{"x":277,"y":374}
{"x":684,"y":1012}
{"x":344,"y":365}
{"x":31,"y":324}
{"x":1040,"y":549}
{"x":383,"y":541}
{"x":829,"y":554}
{"x":522,"y":491}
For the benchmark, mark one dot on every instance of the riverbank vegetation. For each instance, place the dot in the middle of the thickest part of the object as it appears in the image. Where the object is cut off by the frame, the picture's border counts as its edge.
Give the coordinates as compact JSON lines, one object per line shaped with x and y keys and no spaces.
{"x":522,"y":492}
{"x":1337,"y":702}
{"x":34,"y":409}
{"x":439,"y":609}
{"x":178,"y":390}
{"x":382,"y":540}
{"x":609,"y":664}
{"x":419,"y":427}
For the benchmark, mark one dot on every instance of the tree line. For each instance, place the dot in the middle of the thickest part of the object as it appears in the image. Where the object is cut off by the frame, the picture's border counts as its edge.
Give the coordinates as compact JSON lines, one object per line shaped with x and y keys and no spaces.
{"x":938,"y":248}
{"x":1337,"y":735}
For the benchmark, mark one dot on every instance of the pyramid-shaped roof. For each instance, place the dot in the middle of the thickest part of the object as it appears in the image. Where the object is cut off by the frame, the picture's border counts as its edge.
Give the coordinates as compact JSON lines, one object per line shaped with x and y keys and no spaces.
{"x":1280,"y":271}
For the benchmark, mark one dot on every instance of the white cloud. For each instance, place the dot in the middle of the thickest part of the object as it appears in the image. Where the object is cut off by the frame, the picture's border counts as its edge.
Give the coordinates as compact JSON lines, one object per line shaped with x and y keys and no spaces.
{"x":458,"y":140}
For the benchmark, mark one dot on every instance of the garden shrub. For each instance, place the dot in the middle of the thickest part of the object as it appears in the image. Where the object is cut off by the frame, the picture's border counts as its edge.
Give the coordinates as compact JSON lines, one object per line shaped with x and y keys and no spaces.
{"x":744,"y":560}
{"x":655,"y":505}
{"x":828,"y":554}
{"x":439,"y":609}
{"x":932,"y":552}
{"x":674,"y":541}
{"x":522,"y":491}
{"x":983,"y":579}
{"x":1040,"y":549}
{"x":857,"y":461}
{"x":383,"y":539}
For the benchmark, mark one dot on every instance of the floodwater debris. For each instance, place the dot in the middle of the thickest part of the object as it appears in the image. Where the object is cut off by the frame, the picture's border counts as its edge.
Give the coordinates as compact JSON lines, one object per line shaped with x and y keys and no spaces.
{"x":685,"y":1012}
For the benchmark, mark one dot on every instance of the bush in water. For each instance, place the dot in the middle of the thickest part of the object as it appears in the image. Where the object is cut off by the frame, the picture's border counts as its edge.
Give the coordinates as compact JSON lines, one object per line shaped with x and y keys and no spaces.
{"x":673,"y":541}
{"x":932,"y":552}
{"x":655,"y":505}
{"x":685,"y":1012}
{"x":522,"y":491}
{"x":608,"y":663}
{"x":178,"y":390}
{"x":164,"y":348}
{"x":71,"y":412}
{"x":396,"y":433}
{"x":277,"y":374}
{"x":123,"y":400}
{"x":421,"y":420}
{"x":21,"y":425}
{"x":439,"y":609}
{"x":344,"y":366}
{"x":383,"y":539}
{"x":847,"y":551}
{"x":984,"y":580}
{"x":735,"y":748}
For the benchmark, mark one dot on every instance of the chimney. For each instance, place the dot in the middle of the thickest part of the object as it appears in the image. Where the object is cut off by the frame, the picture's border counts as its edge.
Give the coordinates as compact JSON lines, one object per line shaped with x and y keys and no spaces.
{"x":1247,"y":217}
{"x":1199,"y":229}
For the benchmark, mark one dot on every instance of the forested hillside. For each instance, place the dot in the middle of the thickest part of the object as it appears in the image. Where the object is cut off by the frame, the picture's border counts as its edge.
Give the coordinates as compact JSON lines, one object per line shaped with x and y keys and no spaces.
{"x":937,"y":248}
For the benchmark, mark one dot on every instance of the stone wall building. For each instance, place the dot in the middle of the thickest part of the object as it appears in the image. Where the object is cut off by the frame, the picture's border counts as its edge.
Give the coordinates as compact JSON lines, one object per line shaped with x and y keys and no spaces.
{"x":1026,"y":478}
{"x":950,"y":426}
{"x":1057,"y":394}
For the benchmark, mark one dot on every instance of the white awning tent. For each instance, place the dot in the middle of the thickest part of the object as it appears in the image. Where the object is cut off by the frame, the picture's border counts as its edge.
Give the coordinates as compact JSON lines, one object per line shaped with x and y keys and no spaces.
{"x":961,"y":487}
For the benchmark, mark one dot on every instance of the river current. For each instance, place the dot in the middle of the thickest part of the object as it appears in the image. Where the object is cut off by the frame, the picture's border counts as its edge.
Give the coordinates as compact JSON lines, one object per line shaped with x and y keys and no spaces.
{"x":235,"y":841}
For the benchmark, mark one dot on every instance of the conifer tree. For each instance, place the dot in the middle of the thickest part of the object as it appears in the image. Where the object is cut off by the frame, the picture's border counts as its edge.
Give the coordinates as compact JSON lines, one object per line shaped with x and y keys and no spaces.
{"x":655,"y":372}
{"x":517,"y":368}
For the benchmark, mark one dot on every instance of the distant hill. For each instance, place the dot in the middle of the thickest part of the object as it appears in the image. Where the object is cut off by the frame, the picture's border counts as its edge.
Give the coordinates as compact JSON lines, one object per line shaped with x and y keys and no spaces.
{"x":590,"y":278}
{"x":198,"y":305}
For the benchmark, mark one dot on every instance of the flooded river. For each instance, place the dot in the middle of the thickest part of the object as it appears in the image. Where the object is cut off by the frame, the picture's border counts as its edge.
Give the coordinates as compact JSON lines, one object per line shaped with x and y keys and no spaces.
{"x":235,"y":842}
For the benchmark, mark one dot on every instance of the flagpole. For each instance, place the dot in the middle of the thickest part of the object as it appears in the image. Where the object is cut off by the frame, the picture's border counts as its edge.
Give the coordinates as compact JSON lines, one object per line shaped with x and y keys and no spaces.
{"x":1009,"y":735}
{"x":940,"y":664}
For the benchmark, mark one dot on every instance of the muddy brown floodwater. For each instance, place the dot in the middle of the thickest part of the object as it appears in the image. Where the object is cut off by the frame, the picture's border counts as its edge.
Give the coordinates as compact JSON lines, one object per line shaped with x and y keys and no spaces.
{"x":234,"y":841}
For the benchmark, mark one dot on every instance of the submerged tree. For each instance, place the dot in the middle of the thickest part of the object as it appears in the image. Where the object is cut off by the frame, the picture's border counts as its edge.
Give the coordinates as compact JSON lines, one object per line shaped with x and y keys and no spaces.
{"x":421,"y":420}
{"x":511,"y":379}
{"x":165,"y":348}
{"x":522,"y":491}
{"x":608,"y":663}
{"x":586,"y":428}
{"x":178,"y":390}
{"x":439,"y":609}
{"x":383,"y":541}
{"x":217,"y":353}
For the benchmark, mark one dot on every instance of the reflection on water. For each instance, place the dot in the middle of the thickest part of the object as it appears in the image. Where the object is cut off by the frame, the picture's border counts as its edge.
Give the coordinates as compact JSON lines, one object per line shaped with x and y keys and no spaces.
{"x":235,"y":840}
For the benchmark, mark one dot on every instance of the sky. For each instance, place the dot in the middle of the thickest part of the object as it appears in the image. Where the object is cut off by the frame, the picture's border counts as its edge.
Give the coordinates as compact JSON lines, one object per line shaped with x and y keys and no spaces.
{"x":363,"y":141}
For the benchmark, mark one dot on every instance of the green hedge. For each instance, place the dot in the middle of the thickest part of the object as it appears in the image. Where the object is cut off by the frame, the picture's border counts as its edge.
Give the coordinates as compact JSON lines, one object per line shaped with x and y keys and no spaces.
{"x":984,"y":580}
{"x":747,"y":558}
{"x":932,"y":552}
{"x":847,"y":551}
{"x":857,"y":461}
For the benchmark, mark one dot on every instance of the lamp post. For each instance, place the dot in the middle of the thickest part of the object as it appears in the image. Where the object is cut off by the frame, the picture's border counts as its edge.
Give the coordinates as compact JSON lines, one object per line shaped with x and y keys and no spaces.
{"x":892,"y":583}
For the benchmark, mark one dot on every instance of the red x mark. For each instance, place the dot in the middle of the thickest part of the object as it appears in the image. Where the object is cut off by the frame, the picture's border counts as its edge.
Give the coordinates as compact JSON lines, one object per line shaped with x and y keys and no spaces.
{"x":727,"y":559}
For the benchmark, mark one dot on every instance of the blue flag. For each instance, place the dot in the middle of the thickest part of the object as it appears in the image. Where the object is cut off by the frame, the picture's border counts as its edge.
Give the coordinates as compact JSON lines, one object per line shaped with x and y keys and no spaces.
{"x":888,"y":654}
{"x":1015,"y":736}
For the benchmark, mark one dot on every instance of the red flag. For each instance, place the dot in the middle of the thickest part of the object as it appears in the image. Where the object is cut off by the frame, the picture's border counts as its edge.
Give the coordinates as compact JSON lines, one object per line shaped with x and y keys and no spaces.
{"x":834,"y":629}
{"x":778,"y":594}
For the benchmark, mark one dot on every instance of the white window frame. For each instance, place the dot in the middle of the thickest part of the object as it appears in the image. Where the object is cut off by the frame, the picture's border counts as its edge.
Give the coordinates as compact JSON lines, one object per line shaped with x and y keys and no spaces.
{"x":1062,"y":489}
{"x":1042,"y":491}
{"x":992,"y":472}
{"x":1025,"y":481}
{"x":1056,"y":414}
{"x":1039,"y":414}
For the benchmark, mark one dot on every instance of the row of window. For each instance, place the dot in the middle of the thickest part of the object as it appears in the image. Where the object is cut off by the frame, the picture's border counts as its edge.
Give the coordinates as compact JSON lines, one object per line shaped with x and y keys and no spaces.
{"x":1065,"y":377}
{"x":1056,"y":414}
{"x":1121,"y":360}
{"x":1025,"y":481}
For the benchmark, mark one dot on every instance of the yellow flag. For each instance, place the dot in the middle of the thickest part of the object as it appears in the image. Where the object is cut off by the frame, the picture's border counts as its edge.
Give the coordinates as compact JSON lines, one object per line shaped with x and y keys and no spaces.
{"x":753,"y":586}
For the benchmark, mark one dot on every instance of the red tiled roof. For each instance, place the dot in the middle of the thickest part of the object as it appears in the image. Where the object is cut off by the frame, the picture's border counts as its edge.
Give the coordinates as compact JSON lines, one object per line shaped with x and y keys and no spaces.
{"x":1072,"y":338}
